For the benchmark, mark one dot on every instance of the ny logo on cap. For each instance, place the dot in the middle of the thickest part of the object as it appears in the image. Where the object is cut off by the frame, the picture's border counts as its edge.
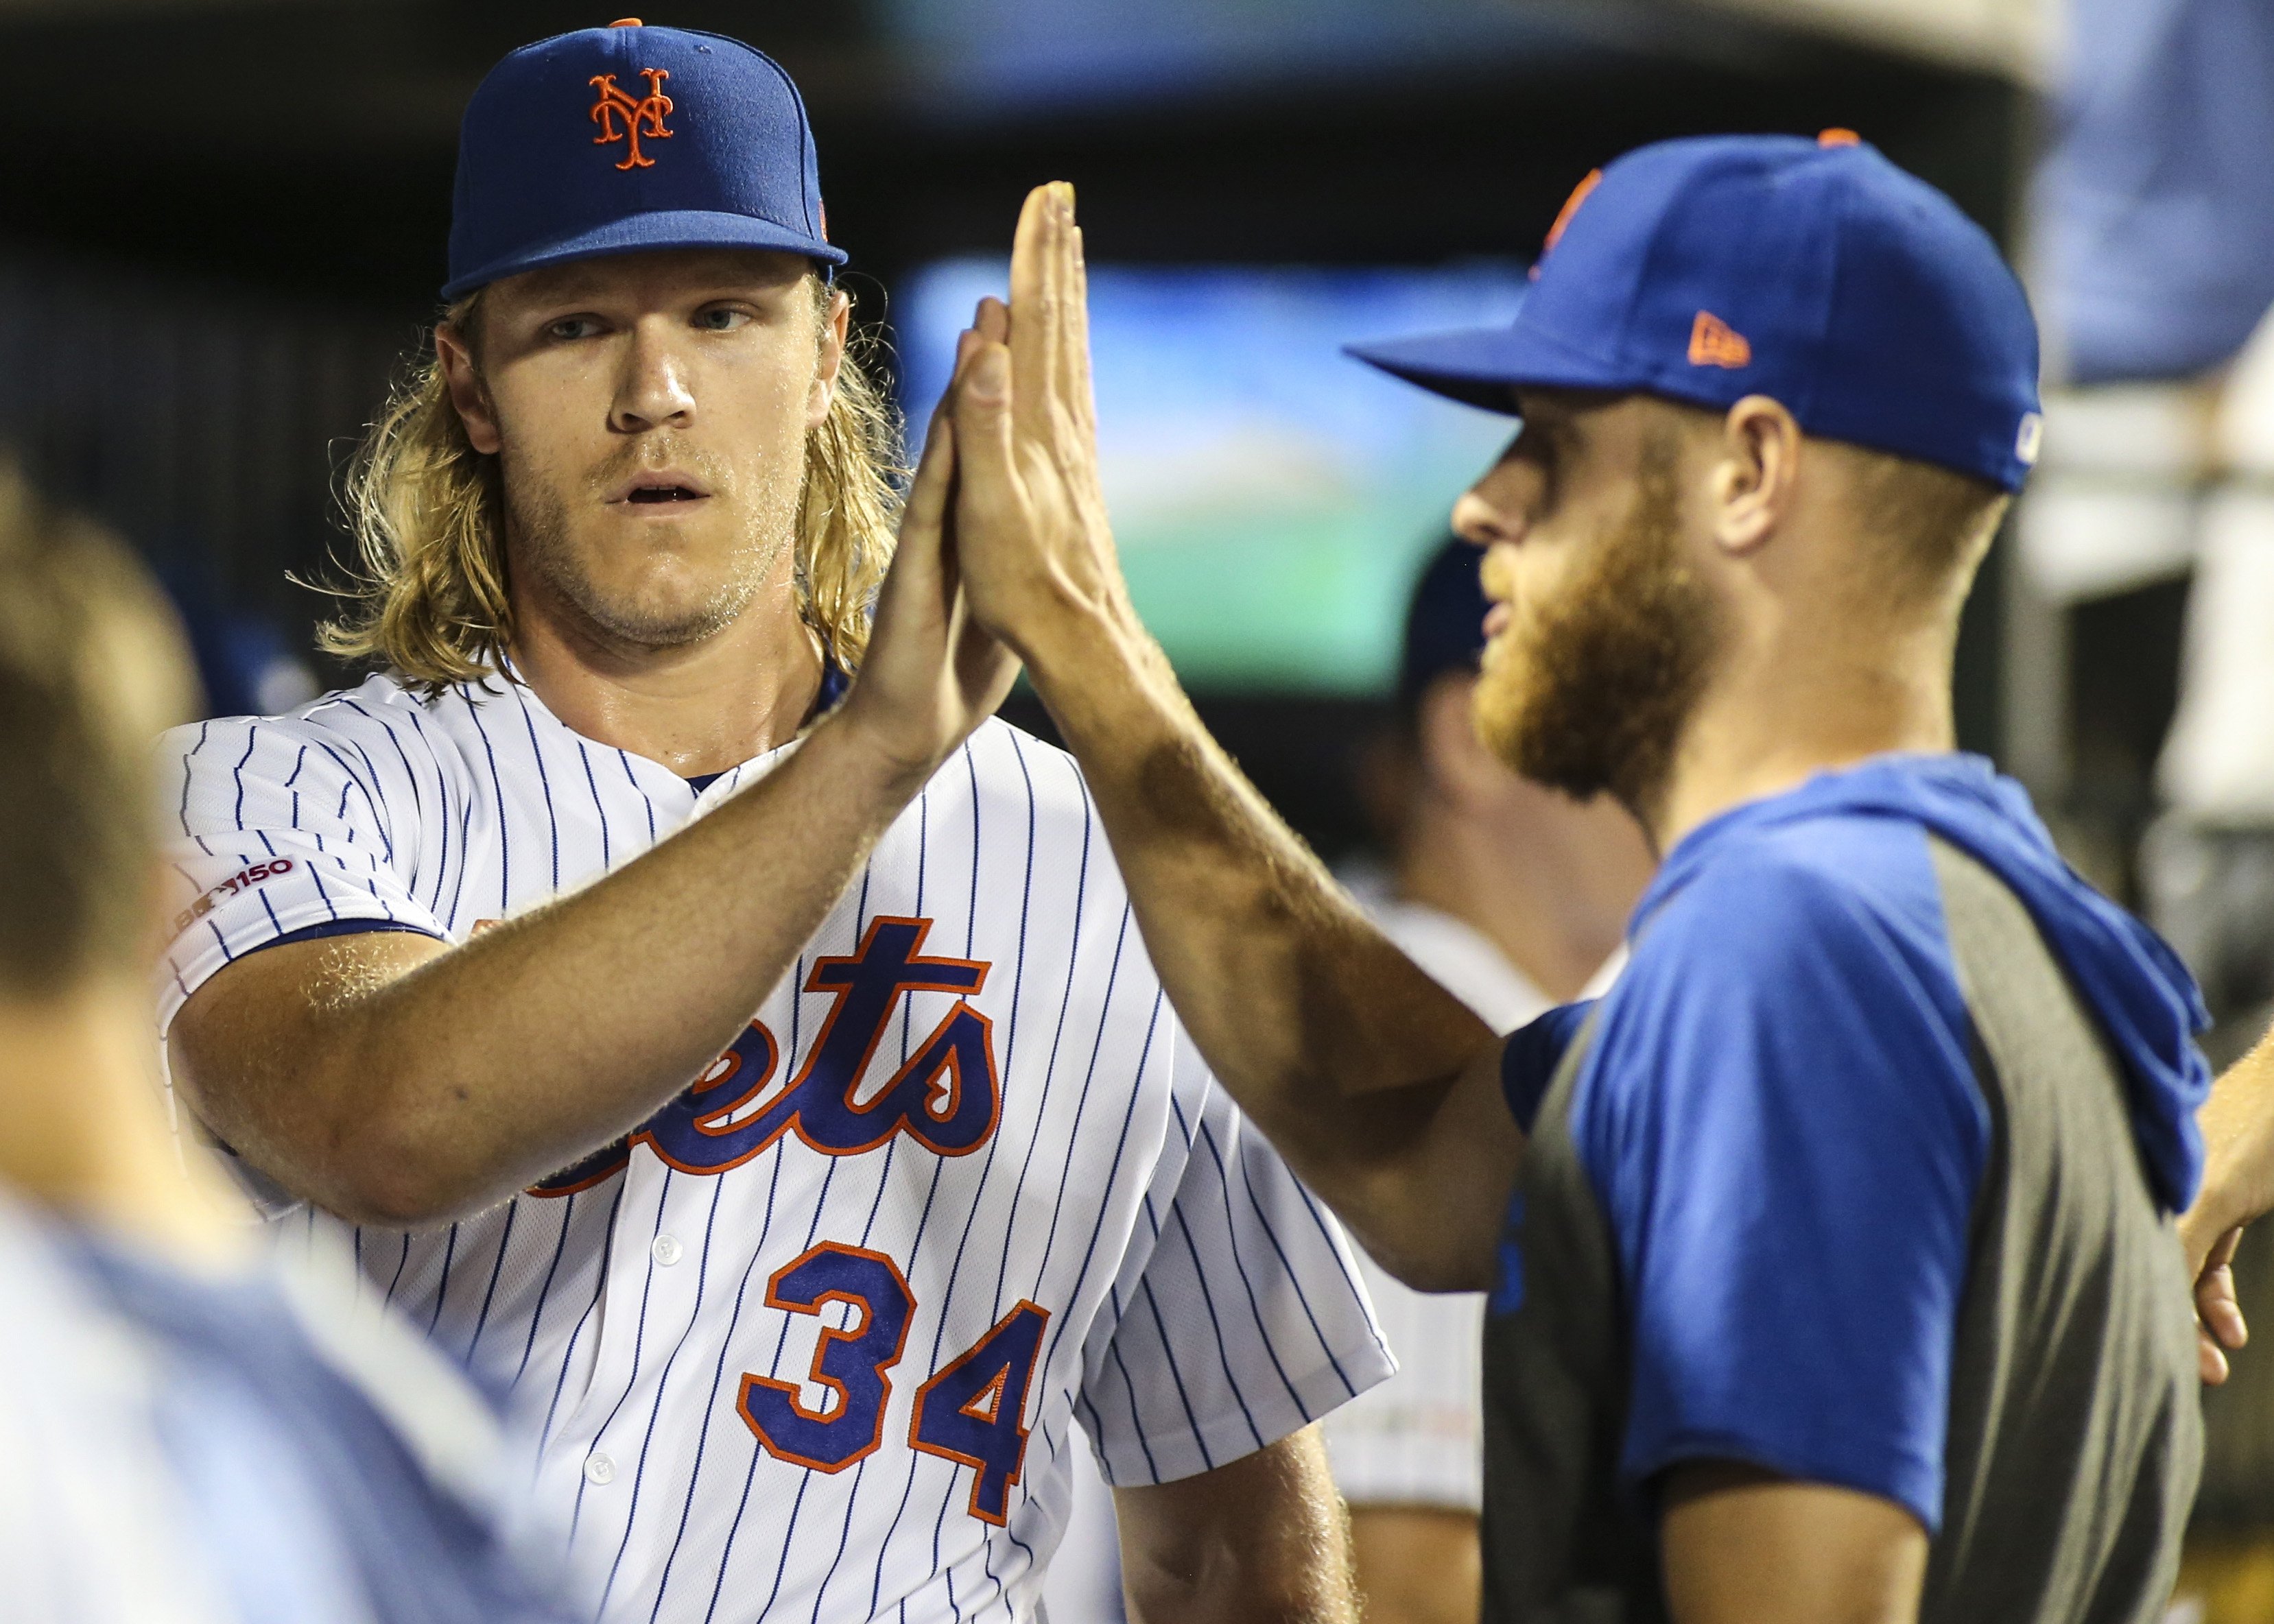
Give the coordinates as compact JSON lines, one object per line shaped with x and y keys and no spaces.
{"x":643,"y":117}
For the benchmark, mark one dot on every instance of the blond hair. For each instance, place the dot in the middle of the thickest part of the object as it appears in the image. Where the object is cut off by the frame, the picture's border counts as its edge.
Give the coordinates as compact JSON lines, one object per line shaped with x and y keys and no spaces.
{"x":429,"y":596}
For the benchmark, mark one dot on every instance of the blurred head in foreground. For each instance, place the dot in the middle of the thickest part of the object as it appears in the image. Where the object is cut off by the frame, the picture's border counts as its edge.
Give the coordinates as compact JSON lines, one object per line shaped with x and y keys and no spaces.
{"x":1775,"y":395}
{"x":152,"y":1376}
{"x":92,"y":666}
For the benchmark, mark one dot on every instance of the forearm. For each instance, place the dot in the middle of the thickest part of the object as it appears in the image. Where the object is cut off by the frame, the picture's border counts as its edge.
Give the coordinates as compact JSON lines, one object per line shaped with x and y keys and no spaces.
{"x":1375,"y":1083}
{"x":1262,"y":1540}
{"x":2238,"y":1129}
{"x":1741,"y":1545}
{"x":419,"y":1096}
{"x":1329,"y":1038}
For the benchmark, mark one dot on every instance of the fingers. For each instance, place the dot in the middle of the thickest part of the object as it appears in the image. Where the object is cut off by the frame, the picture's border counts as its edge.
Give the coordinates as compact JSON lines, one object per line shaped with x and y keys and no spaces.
{"x":2215,"y":1304}
{"x":2219,"y":1323}
{"x":914,"y":584}
{"x":1057,"y":287}
{"x":1080,"y":397}
{"x":966,"y":345}
{"x":1048,"y":321}
{"x":1068,"y":302}
{"x":2222,"y":1316}
{"x":981,"y":403}
{"x":1031,"y":317}
{"x":2210,"y":1362}
{"x":925,"y":512}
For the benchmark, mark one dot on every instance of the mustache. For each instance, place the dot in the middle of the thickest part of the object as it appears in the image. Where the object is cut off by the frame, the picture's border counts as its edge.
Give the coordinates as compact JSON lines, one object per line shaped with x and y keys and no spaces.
{"x":653,"y":453}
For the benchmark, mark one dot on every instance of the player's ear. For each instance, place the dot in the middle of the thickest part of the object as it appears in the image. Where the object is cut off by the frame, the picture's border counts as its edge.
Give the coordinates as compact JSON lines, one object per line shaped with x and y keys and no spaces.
{"x":836,"y":328}
{"x":454,"y":353}
{"x":1755,"y":474}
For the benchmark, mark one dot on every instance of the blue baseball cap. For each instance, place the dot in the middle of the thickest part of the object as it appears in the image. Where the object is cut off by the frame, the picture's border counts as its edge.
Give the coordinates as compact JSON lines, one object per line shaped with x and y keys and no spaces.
{"x":1814,"y":272}
{"x":612,"y":140}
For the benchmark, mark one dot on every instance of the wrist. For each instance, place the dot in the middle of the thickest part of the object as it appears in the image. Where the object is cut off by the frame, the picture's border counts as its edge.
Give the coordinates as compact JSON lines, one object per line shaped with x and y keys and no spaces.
{"x":862,"y":745}
{"x":2238,"y":1131}
{"x":1078,"y":648}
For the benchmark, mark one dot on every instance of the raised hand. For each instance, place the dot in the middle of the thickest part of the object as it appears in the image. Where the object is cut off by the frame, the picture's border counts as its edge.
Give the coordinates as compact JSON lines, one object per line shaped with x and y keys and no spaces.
{"x":1037,"y":548}
{"x":932,"y":673}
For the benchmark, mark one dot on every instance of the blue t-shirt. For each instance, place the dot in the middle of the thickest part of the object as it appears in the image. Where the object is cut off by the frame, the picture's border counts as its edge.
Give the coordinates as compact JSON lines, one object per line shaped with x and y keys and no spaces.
{"x":1780,"y":1117}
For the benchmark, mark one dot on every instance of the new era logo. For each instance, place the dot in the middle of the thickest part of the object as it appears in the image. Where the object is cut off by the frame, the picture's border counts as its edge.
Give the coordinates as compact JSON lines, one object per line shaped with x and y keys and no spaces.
{"x":1714,"y":342}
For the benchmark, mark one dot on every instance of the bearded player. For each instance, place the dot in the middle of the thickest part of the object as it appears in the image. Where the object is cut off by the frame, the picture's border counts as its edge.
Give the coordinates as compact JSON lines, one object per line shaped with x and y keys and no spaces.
{"x":1831,"y":1255}
{"x":776,"y":1096}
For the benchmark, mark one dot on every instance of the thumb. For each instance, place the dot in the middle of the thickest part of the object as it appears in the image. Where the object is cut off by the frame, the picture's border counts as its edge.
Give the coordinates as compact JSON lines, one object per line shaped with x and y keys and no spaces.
{"x":925,"y":512}
{"x":912,"y":586}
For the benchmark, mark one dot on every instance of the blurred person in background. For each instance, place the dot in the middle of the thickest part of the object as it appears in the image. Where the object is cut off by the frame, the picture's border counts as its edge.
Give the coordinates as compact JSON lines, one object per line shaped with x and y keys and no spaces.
{"x":244,"y":662}
{"x":1514,"y":898}
{"x":191,"y":1436}
{"x":2153,"y":237}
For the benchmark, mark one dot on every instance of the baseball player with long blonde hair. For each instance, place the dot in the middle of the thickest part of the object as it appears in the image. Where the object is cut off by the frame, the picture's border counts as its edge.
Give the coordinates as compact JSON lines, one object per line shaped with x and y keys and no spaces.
{"x":737,"y":1044}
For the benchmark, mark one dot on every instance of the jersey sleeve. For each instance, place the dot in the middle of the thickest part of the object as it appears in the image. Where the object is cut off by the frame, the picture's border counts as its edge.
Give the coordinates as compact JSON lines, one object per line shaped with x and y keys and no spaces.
{"x":1782,"y":1121}
{"x":1418,"y":1438}
{"x":280,"y":827}
{"x":1245,"y":1322}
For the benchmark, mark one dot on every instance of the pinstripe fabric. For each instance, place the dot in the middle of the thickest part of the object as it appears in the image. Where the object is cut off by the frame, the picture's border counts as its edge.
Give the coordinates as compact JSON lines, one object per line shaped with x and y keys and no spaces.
{"x":1199,"y":1304}
{"x":1418,"y":1438}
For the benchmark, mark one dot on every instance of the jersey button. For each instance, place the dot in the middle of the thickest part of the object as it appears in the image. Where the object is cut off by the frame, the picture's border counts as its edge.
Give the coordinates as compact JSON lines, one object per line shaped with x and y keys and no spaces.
{"x":667,"y":1250}
{"x":599,"y":1469}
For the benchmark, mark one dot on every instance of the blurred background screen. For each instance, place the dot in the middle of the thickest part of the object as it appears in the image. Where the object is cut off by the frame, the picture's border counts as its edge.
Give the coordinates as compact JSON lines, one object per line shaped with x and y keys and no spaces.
{"x":1271,"y":497}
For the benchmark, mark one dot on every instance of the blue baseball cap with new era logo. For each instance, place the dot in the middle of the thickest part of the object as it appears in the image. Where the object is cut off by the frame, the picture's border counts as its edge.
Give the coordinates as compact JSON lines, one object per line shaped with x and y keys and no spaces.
{"x":612,"y":140}
{"x":1814,"y":272}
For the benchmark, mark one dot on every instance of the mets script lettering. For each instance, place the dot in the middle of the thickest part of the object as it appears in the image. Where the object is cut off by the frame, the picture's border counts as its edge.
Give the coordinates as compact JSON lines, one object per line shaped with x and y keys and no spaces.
{"x":947,"y":1096}
{"x":642,"y":118}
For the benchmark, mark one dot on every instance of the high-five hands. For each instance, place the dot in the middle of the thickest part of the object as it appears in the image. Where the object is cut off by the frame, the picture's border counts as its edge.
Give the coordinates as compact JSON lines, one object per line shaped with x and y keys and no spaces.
{"x":932,"y":673}
{"x":1036,"y":547}
{"x":1005,"y":550}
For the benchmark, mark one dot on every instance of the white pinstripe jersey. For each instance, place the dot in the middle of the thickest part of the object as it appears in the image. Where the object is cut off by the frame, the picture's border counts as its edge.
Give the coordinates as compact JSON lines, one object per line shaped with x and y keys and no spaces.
{"x":811,"y":1344}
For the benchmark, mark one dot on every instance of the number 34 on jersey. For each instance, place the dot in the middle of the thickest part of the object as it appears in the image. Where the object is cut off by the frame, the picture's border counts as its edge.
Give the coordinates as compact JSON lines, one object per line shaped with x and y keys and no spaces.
{"x":948,"y":1098}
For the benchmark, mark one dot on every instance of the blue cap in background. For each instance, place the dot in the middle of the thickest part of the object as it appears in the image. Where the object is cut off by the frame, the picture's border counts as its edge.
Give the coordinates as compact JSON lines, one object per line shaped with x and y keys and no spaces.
{"x":1816,"y":273}
{"x":1445,"y":621}
{"x":612,"y":140}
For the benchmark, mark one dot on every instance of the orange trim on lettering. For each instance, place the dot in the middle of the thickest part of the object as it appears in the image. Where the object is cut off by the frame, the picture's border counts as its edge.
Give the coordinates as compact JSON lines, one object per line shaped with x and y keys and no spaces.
{"x":643,"y":117}
{"x":830,"y":1335}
